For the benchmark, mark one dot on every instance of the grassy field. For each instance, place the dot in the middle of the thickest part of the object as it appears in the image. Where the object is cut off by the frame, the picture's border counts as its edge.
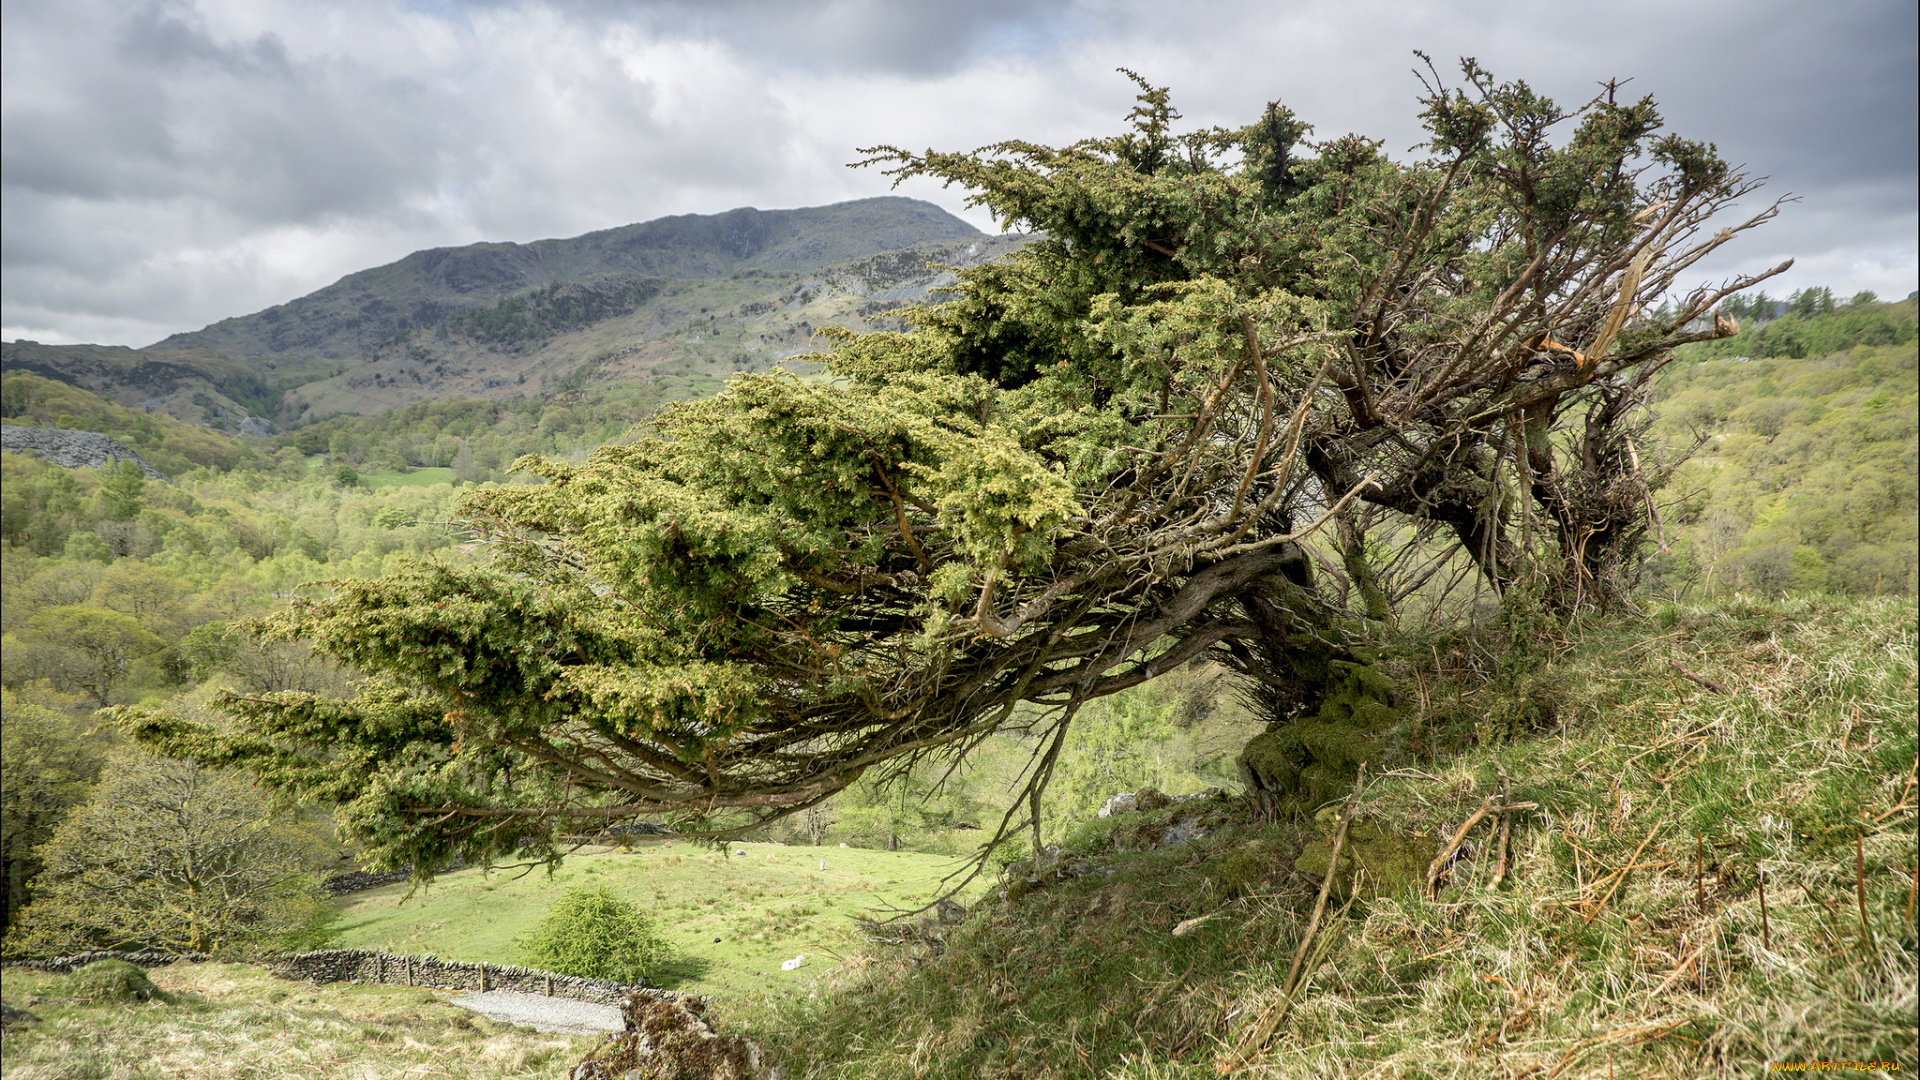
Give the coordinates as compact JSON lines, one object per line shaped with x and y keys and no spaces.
{"x":422,"y":477}
{"x":237,"y":1022}
{"x":731,"y":919}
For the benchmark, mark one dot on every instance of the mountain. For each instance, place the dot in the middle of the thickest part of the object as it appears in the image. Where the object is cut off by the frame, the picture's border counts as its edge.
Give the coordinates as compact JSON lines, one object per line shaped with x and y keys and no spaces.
{"x":700,"y":295}
{"x":363,"y":311}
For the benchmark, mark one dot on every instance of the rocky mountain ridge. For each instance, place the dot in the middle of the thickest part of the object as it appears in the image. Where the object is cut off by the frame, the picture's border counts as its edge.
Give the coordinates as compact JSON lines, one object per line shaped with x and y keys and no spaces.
{"x":693,"y":296}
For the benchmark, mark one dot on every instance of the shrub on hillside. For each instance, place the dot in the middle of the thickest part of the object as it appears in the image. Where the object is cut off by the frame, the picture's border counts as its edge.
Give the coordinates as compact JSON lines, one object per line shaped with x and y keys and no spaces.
{"x":593,"y":933}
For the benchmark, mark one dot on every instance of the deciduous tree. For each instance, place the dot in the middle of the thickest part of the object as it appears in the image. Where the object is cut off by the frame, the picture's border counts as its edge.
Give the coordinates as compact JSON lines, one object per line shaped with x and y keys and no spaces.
{"x":47,"y":763}
{"x":172,"y":855}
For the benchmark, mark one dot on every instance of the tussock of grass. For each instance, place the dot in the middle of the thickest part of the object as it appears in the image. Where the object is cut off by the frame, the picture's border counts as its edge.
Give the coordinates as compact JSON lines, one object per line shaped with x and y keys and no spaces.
{"x":235,"y":1021}
{"x":1626,"y":939}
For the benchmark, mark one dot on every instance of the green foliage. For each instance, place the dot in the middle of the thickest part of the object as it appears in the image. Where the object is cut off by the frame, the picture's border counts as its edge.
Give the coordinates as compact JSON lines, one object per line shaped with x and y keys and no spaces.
{"x":121,"y":488}
{"x":171,"y":855}
{"x":170,"y":445}
{"x":77,"y":647}
{"x":1812,"y":326}
{"x":1806,"y":480}
{"x":47,"y":763}
{"x":1096,"y":464}
{"x":592,"y":933}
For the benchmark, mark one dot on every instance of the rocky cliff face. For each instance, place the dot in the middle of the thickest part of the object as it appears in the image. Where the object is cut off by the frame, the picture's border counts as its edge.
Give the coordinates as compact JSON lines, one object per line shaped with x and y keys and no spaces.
{"x":72,"y":449}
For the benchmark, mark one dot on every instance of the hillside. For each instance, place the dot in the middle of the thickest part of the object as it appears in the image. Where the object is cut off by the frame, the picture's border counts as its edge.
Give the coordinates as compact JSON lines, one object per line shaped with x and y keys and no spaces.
{"x":1706,"y":865}
{"x":363,"y":311}
{"x":1715,"y":868}
{"x":616,"y":333}
{"x":692,"y":296}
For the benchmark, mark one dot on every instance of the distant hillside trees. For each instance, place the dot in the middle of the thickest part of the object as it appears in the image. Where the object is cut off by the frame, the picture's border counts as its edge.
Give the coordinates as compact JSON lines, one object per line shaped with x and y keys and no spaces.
{"x":1807,"y":479}
{"x":1812,"y":325}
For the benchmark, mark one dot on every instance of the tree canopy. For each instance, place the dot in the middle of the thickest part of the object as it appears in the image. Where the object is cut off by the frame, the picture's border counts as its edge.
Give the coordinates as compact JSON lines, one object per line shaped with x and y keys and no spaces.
{"x":1100,"y":459}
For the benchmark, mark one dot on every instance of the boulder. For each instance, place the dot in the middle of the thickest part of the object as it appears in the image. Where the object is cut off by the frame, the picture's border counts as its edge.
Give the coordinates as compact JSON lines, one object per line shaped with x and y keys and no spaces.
{"x":1391,"y":859}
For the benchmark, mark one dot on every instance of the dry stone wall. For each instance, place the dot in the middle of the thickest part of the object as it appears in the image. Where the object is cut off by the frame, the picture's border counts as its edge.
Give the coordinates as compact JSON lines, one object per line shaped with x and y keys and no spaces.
{"x":344,"y":965}
{"x":145,"y":958}
{"x":392,"y":969}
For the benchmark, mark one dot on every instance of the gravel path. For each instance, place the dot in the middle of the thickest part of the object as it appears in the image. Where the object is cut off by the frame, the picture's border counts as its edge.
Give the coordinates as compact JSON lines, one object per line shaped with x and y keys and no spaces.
{"x":563,"y":1015}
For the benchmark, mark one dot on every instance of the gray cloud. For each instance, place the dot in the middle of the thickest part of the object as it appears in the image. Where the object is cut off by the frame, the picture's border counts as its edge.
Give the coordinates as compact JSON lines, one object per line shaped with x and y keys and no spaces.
{"x":914,"y":37}
{"x":167,"y":164}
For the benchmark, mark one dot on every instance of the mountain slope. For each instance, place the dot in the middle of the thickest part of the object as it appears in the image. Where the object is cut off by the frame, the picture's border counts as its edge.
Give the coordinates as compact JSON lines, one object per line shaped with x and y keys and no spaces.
{"x":697,"y":296}
{"x":363,"y":311}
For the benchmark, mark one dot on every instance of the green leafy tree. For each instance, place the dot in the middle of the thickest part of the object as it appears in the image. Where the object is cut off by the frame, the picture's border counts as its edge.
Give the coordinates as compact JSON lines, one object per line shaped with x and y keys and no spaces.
{"x":592,"y":933}
{"x":172,"y":855}
{"x":47,"y":763}
{"x":84,"y":648}
{"x":1102,"y":459}
{"x":123,"y":487}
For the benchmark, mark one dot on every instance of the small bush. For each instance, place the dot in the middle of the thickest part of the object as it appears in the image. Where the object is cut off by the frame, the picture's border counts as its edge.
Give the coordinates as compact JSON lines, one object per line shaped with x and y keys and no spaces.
{"x":593,"y":933}
{"x":114,"y":980}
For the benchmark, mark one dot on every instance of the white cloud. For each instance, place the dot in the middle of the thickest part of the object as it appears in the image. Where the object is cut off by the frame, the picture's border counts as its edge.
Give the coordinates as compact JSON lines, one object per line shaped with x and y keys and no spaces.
{"x":168,"y":164}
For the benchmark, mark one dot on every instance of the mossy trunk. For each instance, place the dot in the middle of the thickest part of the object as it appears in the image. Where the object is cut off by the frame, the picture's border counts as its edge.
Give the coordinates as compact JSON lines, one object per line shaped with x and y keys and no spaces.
{"x":1353,"y":556}
{"x":1300,"y":765}
{"x":1328,"y":706}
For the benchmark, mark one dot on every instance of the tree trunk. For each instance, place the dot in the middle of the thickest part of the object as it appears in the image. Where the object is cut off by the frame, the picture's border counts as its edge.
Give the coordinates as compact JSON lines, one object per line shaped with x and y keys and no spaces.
{"x":1328,"y":708}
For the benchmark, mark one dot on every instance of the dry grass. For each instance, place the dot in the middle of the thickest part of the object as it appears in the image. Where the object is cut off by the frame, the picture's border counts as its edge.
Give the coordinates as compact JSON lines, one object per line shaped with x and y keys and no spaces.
{"x":236,"y":1022}
{"x":1625,"y":937}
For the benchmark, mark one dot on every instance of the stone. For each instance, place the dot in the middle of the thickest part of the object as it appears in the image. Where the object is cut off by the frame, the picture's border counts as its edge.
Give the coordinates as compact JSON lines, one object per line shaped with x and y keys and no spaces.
{"x":673,"y":1040}
{"x":1392,"y":859}
{"x":72,"y":449}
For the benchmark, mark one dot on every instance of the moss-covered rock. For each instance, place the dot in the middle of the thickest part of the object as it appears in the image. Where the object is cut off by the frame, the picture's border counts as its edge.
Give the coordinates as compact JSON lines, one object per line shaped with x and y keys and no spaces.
{"x":1392,"y":859}
{"x":114,"y":980}
{"x":1241,"y":871}
{"x":1300,"y":766}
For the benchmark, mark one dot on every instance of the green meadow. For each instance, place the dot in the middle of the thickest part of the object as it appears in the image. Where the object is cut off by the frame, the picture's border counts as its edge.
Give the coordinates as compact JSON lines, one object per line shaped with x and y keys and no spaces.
{"x":730,"y":918}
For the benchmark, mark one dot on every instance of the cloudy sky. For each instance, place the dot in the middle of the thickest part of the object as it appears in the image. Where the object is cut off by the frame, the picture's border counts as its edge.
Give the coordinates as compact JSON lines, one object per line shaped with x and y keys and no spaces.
{"x":174,"y":162}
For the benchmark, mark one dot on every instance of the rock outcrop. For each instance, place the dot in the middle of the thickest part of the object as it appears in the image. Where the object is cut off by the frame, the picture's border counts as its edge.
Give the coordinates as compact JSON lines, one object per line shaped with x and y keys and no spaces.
{"x":72,"y":449}
{"x":672,"y":1040}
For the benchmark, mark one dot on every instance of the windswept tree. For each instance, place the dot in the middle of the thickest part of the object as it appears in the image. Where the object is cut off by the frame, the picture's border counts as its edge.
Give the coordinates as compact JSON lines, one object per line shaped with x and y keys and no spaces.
{"x":1102,"y":458}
